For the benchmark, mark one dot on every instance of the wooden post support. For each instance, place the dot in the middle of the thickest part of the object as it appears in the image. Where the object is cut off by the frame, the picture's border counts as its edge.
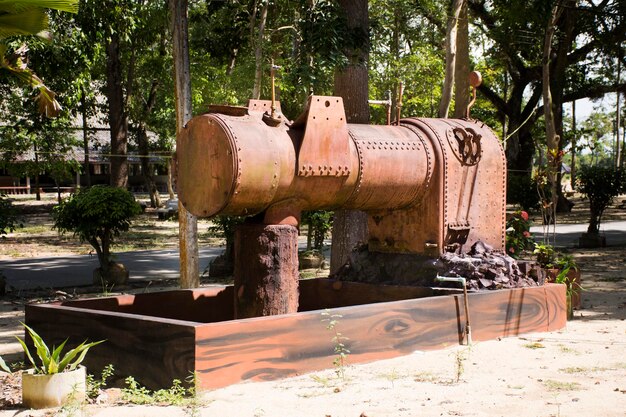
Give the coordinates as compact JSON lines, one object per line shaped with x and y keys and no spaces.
{"x":266,"y":271}
{"x":188,"y":223}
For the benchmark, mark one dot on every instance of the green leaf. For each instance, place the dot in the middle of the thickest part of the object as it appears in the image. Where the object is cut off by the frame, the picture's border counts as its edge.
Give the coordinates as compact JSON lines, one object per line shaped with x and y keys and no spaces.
{"x":42,"y":349}
{"x":69,"y":356}
{"x":70,"y":6}
{"x":28,"y":355}
{"x":28,"y":22}
{"x":3,"y":365}
{"x":56,"y":353}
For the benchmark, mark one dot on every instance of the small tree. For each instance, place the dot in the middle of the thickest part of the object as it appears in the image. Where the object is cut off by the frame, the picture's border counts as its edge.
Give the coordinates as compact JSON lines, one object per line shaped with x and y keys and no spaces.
{"x":600,"y":185}
{"x":98,"y":215}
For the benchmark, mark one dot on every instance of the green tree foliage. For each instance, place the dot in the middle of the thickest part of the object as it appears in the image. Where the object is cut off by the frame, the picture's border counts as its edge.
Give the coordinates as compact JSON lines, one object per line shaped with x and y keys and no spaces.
{"x":24,"y":18}
{"x":406,"y":47}
{"x":586,"y":34}
{"x":97,"y":215}
{"x":319,"y":222}
{"x":600,"y":185}
{"x":8,"y":217}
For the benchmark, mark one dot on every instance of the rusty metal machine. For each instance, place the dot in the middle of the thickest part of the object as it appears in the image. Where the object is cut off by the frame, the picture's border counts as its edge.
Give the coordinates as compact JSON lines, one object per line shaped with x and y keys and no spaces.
{"x":428,"y":185}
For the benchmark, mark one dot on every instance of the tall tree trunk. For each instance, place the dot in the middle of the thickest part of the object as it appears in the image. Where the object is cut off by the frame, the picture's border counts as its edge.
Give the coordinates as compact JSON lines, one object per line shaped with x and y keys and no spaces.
{"x":258,"y":52}
{"x":144,"y":148}
{"x":462,"y":65}
{"x":188,"y":223}
{"x":83,"y":106}
{"x":37,"y":188}
{"x":448,"y":84}
{"x":552,"y":139}
{"x":118,"y":119}
{"x":572,"y":167}
{"x":351,"y":83}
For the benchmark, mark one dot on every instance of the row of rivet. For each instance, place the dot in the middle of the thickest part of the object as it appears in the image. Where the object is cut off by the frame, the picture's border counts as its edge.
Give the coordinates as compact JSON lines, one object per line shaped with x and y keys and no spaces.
{"x":386,"y":145}
{"x":324,"y":170}
{"x":429,"y":160}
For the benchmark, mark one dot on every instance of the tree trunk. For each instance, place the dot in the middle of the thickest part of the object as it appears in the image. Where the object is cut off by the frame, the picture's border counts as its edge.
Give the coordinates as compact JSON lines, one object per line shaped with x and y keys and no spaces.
{"x":572,"y":167}
{"x":351,"y":83}
{"x":188,"y":223}
{"x":258,"y":52}
{"x":267,"y":282}
{"x":83,"y":105}
{"x":37,"y":188}
{"x":462,"y":66}
{"x":118,"y":120}
{"x":170,"y":179}
{"x":144,"y":148}
{"x":448,"y":84}
{"x":552,"y":140}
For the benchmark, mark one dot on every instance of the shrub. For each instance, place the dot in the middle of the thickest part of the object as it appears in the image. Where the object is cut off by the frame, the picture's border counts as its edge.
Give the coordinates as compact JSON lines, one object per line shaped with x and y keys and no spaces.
{"x":600,"y":185}
{"x":97,"y":215}
{"x":518,"y":237}
{"x":8,"y":218}
{"x":319,"y":222}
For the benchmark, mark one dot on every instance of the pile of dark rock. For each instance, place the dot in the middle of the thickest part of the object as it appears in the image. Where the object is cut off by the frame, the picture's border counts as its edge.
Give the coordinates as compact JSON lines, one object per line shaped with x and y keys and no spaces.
{"x":484,"y":268}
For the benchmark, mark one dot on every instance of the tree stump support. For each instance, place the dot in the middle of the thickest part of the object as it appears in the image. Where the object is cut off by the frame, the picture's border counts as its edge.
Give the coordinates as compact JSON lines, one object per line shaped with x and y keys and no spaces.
{"x":266,"y":270}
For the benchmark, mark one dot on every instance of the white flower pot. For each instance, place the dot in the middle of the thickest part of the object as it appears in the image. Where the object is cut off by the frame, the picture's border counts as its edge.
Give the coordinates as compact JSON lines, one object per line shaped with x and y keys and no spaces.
{"x":45,"y":391}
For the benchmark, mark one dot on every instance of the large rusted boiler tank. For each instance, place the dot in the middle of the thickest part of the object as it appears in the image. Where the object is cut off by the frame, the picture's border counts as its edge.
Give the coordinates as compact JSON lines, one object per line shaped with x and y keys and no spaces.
{"x":427,"y":185}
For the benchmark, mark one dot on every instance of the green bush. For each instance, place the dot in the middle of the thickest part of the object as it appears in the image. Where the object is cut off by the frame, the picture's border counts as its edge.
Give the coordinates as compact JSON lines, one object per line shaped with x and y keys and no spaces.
{"x":319,"y":222}
{"x":8,"y":218}
{"x":97,"y":215}
{"x":600,"y":185}
{"x":518,"y":237}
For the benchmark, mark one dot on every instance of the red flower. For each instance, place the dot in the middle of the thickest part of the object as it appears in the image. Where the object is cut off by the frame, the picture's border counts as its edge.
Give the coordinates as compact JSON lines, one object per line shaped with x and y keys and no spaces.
{"x":512,"y":249}
{"x":526,"y":233}
{"x":524,"y":215}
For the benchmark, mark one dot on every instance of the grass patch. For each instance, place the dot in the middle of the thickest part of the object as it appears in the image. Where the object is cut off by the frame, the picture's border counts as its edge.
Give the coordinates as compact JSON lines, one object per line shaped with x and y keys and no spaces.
{"x":567,"y":349}
{"x":574,"y":370}
{"x":552,"y":385}
{"x":425,"y":377}
{"x":534,"y":345}
{"x":34,"y":229}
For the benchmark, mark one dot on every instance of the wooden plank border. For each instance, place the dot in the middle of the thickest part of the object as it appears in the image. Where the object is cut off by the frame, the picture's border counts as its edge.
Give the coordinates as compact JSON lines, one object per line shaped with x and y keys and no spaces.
{"x":156,"y":349}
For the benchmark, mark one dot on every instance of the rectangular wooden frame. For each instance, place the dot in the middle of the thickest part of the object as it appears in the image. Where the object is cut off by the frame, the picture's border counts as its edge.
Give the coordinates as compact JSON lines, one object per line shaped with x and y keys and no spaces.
{"x":158,"y":337}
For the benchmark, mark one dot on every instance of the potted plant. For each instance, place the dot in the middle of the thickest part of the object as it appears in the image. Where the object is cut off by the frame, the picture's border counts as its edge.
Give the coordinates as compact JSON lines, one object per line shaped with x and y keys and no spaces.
{"x":57,"y":379}
{"x":569,"y":274}
{"x":98,"y":215}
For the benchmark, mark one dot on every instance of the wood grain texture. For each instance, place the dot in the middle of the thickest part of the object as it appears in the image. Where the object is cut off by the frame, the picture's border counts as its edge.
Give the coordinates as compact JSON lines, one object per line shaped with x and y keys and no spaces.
{"x":156,"y":350}
{"x":274,"y":347}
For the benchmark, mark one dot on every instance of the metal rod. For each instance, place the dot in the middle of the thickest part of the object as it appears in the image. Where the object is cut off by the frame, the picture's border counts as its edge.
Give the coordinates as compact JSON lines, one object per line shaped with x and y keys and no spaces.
{"x":399,"y":104}
{"x":463,"y":281}
{"x":386,"y":103}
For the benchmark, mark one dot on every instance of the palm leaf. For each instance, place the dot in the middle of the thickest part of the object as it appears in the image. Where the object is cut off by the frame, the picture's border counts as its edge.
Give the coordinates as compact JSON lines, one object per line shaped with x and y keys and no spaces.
{"x":70,"y":6}
{"x":80,"y":349}
{"x":27,"y":352}
{"x":42,"y":349}
{"x":27,"y":22}
{"x":4,"y":366}
{"x":56,"y":353}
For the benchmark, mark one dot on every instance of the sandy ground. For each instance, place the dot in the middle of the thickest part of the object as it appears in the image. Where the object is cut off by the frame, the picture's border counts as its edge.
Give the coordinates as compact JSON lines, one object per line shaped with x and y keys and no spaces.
{"x":578,"y":371}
